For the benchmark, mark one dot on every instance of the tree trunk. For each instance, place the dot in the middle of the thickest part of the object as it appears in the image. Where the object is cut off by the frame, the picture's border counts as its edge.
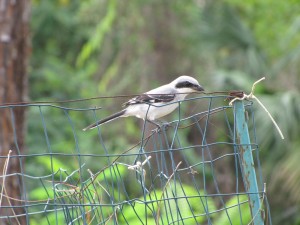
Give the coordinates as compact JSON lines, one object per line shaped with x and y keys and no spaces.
{"x":14,"y":53}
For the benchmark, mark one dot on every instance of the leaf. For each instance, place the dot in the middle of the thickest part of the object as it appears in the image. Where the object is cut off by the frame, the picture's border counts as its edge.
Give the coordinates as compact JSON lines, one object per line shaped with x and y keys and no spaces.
{"x":179,"y":203}
{"x":52,"y":164}
{"x":41,"y":193}
{"x":96,"y":40}
{"x":236,"y":211}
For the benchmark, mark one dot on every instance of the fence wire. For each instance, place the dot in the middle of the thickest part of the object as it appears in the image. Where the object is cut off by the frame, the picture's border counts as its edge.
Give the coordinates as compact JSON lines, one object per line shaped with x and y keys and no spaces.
{"x":186,"y":172}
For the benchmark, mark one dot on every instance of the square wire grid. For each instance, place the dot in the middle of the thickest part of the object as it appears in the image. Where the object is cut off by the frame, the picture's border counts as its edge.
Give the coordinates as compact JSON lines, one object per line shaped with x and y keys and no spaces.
{"x":187,"y":172}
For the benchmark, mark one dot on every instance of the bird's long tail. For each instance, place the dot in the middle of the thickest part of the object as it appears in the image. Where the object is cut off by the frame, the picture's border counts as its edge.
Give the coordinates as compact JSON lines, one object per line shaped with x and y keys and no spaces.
{"x":105,"y":120}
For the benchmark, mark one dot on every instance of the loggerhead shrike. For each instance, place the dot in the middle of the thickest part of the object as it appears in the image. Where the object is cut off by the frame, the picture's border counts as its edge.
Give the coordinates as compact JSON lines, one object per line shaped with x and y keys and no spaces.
{"x":157,"y":102}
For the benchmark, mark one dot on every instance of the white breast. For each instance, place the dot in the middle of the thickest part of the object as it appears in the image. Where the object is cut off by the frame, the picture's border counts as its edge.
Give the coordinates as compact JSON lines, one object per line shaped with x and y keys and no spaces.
{"x":155,"y":111}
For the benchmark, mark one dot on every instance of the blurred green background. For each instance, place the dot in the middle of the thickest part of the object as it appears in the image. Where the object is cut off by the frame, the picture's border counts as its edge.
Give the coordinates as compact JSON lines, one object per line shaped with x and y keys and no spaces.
{"x":83,"y":49}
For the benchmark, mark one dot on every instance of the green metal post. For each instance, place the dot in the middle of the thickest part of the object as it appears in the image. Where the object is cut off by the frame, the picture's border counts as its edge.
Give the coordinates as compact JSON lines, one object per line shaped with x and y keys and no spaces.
{"x":247,"y":164}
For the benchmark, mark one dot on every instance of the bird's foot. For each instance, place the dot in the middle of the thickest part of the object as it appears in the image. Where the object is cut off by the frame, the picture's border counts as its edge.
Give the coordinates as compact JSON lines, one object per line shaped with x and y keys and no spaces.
{"x":161,"y":127}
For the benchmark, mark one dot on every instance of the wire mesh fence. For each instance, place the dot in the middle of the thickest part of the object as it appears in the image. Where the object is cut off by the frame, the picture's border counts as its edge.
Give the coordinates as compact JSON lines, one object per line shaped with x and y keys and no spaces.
{"x":177,"y":174}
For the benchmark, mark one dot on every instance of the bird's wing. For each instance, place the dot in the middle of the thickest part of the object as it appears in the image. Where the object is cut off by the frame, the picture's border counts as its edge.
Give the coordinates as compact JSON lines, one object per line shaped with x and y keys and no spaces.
{"x":159,"y":95}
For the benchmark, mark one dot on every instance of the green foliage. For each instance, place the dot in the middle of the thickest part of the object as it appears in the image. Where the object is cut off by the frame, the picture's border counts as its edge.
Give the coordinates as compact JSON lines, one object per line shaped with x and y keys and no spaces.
{"x":51,"y":164}
{"x":260,"y":16}
{"x":237,"y":210}
{"x":41,"y":193}
{"x":53,"y":218}
{"x":288,"y":175}
{"x":230,"y":41}
{"x":97,"y":38}
{"x":162,"y":205}
{"x":112,"y":173}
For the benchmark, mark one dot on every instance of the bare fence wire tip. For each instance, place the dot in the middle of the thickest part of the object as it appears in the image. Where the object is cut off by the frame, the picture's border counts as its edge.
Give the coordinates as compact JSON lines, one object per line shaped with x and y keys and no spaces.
{"x":252,"y":96}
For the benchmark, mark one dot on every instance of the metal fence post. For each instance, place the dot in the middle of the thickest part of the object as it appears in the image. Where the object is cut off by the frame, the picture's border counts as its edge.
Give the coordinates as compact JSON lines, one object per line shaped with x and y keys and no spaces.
{"x":246,"y":162}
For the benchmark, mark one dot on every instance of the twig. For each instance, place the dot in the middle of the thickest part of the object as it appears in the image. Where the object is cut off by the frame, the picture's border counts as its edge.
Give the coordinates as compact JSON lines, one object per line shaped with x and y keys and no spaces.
{"x":4,"y":172}
{"x":163,"y":191}
{"x":3,"y":185}
{"x":252,"y":96}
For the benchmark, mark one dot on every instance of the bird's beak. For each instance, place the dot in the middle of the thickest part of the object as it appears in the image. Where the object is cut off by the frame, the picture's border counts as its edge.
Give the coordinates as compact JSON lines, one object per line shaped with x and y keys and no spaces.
{"x":198,"y":88}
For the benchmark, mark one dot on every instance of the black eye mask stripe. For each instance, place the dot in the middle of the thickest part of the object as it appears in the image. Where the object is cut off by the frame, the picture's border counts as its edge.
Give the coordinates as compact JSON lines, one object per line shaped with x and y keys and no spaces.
{"x":185,"y":84}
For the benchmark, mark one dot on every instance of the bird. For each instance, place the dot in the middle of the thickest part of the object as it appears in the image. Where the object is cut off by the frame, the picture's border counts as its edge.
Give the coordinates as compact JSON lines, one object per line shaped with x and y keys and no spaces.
{"x":155,"y":103}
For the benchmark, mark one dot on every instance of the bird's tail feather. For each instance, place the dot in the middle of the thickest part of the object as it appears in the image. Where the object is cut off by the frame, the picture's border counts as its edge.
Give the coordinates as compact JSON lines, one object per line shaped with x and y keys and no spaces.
{"x":105,"y":120}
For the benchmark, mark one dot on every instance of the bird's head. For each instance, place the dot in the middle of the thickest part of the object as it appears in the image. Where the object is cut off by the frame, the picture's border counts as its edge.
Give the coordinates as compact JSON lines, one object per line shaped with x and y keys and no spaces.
{"x":187,"y":84}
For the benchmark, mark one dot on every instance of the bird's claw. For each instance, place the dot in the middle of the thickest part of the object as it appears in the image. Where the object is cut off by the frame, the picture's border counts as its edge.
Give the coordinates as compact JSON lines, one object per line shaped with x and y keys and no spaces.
{"x":161,"y":127}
